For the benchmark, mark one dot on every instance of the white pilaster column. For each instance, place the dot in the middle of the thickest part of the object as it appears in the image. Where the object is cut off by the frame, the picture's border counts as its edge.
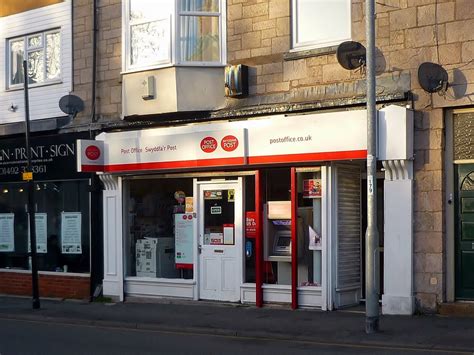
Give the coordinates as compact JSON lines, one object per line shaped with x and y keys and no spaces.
{"x":113,"y":245}
{"x":397,"y":295}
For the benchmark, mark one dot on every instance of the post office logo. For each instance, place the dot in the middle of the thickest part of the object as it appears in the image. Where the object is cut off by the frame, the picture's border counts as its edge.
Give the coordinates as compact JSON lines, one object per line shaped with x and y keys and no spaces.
{"x":208,"y":145}
{"x":92,"y":152}
{"x":229,"y":143}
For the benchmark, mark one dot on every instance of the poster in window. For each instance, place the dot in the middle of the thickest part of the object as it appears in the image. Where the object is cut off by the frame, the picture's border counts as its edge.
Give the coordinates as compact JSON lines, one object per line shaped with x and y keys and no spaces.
{"x":311,"y":188}
{"x":212,"y":195}
{"x":71,"y":233}
{"x":41,"y":233}
{"x":183,"y":232}
{"x":7,"y":234}
{"x":250,"y":224}
{"x":228,"y":234}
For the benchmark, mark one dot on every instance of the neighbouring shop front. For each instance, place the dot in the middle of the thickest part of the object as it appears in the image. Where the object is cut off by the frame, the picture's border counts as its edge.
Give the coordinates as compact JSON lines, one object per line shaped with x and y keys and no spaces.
{"x":62,"y":218}
{"x":260,"y":210}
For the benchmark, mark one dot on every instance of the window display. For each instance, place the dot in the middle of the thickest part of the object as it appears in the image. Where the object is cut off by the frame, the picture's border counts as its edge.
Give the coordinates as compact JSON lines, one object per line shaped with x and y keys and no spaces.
{"x":309,"y":192}
{"x":277,"y":227}
{"x":159,"y":242}
{"x":62,"y":226}
{"x":250,"y":228}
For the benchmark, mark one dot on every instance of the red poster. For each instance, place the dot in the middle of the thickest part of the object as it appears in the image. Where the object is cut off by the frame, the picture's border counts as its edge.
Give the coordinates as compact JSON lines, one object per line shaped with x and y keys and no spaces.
{"x":251,"y":224}
{"x":311,"y":188}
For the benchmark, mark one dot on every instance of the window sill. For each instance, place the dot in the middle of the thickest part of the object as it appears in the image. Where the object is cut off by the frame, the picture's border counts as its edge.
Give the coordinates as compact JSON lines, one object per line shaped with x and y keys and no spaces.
{"x":33,"y":86}
{"x":194,"y":65}
{"x":160,"y":280}
{"x":308,"y":53}
{"x":53,"y":273}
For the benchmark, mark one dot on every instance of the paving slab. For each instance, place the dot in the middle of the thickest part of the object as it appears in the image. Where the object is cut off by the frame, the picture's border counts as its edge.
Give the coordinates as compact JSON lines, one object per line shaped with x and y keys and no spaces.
{"x":270,"y":322}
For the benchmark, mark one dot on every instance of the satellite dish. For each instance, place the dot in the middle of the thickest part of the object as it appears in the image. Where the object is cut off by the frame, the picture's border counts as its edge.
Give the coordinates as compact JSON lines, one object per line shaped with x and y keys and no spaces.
{"x":71,"y":105}
{"x":351,"y":55}
{"x":432,"y":77}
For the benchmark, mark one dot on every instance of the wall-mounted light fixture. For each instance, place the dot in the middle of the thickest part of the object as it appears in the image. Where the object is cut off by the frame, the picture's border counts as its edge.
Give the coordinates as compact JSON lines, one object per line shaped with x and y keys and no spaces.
{"x":13,"y":108}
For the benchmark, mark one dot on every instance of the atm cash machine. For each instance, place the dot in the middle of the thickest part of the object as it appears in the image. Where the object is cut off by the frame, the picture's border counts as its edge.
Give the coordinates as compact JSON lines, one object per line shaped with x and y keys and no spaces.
{"x":277,"y":238}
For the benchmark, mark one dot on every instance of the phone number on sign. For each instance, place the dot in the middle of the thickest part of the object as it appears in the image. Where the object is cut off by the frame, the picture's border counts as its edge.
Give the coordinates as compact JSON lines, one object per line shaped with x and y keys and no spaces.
{"x":15,"y":170}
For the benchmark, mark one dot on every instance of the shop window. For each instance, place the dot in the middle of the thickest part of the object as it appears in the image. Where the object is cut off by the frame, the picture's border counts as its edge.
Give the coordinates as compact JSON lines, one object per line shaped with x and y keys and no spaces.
{"x":42,"y":51}
{"x":250,"y":229}
{"x":320,"y":23}
{"x":159,"y":242}
{"x":182,"y":32}
{"x":309,"y":231}
{"x":277,"y":226}
{"x":62,"y":226}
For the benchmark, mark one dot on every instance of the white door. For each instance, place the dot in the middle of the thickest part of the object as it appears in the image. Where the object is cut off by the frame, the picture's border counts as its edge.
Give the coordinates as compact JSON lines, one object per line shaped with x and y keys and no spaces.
{"x":220,"y":240}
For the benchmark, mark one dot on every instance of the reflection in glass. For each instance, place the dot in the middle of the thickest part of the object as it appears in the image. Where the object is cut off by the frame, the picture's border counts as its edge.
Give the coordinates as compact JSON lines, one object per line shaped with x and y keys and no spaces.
{"x":157,"y":227}
{"x":52,"y":198}
{"x":200,"y":5}
{"x":219,"y":214}
{"x":149,"y":9}
{"x":35,"y":67}
{"x":149,"y":42}
{"x":53,"y":56}
{"x":200,"y":39}
{"x":17,"y":52}
{"x":35,"y":41}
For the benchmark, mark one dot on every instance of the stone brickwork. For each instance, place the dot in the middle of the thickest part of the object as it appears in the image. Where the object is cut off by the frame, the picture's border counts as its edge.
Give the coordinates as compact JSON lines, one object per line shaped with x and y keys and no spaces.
{"x":109,"y":59}
{"x":409,"y":32}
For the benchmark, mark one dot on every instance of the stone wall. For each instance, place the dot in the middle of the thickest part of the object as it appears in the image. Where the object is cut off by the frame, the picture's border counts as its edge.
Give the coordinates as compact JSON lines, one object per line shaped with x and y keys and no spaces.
{"x":409,"y":32}
{"x":109,"y":59}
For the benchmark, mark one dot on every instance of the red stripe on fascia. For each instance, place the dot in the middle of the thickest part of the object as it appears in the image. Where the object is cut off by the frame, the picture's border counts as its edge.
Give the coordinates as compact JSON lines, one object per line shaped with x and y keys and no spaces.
{"x":91,"y":168}
{"x":175,"y":164}
{"x":306,"y":157}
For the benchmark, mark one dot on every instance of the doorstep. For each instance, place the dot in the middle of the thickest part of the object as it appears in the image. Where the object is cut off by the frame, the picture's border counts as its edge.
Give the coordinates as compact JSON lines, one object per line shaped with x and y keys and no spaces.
{"x":457,"y":309}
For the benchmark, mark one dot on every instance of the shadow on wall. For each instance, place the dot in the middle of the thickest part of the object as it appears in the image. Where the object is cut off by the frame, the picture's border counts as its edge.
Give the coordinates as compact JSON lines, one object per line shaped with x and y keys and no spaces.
{"x":459,"y":84}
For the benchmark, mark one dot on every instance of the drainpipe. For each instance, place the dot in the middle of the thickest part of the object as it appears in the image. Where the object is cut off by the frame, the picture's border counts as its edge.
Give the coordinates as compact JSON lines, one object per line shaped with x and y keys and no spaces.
{"x":94,"y":62}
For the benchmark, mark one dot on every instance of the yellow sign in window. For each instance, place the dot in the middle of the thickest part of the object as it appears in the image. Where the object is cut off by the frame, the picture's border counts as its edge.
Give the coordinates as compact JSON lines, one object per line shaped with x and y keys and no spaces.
{"x":27,"y":176}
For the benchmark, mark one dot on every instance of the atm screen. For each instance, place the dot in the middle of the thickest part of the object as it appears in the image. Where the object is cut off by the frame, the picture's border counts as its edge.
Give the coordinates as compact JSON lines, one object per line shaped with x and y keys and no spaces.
{"x":283,"y":241}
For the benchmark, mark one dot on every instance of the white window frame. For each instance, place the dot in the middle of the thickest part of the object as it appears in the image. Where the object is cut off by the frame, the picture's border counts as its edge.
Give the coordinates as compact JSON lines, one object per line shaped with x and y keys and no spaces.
{"x":174,"y":48}
{"x":300,"y":46}
{"x":26,"y":50}
{"x":127,"y":37}
{"x":220,"y":14}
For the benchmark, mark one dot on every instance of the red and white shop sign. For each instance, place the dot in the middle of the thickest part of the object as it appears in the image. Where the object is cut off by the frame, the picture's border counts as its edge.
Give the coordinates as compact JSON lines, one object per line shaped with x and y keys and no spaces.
{"x":229,"y":143}
{"x":126,"y":152}
{"x":90,"y":155}
{"x":208,"y":144}
{"x":263,"y":141}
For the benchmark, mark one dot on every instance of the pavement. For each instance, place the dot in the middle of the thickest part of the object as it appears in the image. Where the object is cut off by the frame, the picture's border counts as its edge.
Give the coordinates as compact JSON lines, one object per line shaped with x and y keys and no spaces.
{"x":431,"y":333}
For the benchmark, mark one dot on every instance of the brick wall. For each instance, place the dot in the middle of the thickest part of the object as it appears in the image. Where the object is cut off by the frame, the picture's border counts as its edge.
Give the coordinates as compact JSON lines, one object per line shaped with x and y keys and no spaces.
{"x":57,"y":286}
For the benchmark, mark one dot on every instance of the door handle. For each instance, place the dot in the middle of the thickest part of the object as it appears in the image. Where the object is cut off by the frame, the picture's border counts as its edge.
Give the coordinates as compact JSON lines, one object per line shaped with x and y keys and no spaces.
{"x":199,"y":248}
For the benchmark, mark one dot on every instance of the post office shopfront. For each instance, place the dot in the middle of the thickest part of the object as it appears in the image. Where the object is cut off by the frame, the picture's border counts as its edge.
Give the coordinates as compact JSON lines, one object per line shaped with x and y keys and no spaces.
{"x":259,"y":210}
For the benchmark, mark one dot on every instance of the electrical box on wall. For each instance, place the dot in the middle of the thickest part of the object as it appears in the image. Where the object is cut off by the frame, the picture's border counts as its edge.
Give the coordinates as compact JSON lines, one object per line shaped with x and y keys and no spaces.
{"x":148,"y":88}
{"x":236,"y":80}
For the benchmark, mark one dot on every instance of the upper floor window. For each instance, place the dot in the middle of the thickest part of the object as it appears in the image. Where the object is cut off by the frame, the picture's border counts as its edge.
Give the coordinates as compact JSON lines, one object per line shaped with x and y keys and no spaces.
{"x":163,"y":32}
{"x":42,"y":51}
{"x":320,"y":23}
